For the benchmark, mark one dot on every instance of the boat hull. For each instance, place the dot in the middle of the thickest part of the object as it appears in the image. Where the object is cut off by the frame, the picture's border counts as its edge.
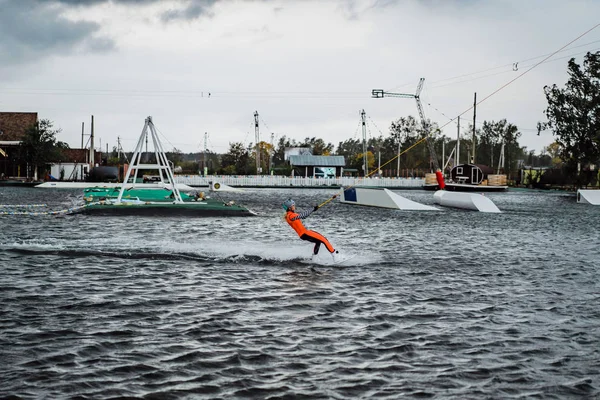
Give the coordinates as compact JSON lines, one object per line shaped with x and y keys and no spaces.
{"x":198,"y":209}
{"x":18,"y":183}
{"x":458,"y":187}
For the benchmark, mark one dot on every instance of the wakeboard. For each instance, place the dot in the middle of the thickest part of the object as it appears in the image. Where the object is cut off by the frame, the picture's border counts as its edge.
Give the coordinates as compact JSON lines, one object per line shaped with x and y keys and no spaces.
{"x":327,"y":260}
{"x":343,"y":258}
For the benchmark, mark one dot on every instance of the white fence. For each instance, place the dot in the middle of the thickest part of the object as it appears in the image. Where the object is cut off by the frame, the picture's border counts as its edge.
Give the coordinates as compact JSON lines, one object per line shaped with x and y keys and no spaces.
{"x":284,"y":181}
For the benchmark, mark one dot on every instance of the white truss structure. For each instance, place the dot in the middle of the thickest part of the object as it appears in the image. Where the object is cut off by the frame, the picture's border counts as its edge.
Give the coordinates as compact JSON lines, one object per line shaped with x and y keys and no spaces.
{"x":162,"y":164}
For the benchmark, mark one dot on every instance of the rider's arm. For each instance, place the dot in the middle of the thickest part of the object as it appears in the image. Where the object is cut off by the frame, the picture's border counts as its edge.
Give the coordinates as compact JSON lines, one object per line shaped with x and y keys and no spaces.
{"x":303,"y":214}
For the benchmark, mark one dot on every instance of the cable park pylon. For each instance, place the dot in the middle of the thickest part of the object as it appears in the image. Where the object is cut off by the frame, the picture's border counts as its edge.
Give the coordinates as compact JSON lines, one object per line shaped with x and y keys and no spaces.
{"x":380,"y":93}
{"x":257,"y":139}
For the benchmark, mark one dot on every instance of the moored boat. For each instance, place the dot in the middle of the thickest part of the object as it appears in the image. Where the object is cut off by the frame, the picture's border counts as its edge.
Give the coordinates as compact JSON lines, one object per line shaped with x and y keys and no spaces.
{"x":470,"y":178}
{"x":211,"y":208}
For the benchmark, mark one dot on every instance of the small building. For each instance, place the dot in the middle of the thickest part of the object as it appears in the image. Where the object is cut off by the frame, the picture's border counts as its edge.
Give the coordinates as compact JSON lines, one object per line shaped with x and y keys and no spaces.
{"x":311,"y":166}
{"x":13,"y":127}
{"x":470,"y":174}
{"x":74,"y":165}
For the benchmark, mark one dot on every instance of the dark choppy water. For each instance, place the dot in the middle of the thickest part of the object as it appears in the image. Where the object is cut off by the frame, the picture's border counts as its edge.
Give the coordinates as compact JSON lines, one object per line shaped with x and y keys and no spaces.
{"x":447,"y":305}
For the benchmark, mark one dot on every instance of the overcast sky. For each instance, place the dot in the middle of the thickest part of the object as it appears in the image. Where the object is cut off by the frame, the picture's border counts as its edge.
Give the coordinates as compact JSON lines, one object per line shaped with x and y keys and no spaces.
{"x":307,"y":67}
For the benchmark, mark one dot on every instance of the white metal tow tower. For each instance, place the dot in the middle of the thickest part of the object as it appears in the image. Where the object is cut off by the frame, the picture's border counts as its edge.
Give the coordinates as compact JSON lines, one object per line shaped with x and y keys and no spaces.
{"x":162,"y":164}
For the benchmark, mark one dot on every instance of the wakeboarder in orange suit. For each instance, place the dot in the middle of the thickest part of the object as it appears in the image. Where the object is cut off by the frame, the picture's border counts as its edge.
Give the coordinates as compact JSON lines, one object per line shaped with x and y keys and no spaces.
{"x":294,"y":220}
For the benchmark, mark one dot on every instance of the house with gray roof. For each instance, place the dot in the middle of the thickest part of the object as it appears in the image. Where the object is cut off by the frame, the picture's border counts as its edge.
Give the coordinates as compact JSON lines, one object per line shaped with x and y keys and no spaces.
{"x":310,"y":166}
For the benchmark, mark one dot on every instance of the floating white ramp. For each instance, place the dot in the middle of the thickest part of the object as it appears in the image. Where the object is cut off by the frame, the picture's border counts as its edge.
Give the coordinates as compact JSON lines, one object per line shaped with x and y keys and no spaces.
{"x":85,"y":185}
{"x":467,"y":201}
{"x":587,"y":196}
{"x":382,"y":198}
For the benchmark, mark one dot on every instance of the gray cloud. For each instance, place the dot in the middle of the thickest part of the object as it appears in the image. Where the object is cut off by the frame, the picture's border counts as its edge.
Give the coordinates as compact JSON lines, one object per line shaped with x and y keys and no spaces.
{"x":194,"y":9}
{"x":33,"y":30}
{"x":84,"y":3}
{"x":186,"y":10}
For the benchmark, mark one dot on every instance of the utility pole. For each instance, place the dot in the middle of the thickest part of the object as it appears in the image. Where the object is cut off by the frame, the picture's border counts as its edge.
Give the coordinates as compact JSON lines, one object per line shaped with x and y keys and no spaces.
{"x":92,"y":163}
{"x":271,"y":153}
{"x":364,"y":133}
{"x":120,"y":150}
{"x":257,"y":138}
{"x":399,"y":144}
{"x":86,"y":154}
{"x":443,"y":150}
{"x":474,"y":113}
{"x":205,"y":163}
{"x":458,"y":143}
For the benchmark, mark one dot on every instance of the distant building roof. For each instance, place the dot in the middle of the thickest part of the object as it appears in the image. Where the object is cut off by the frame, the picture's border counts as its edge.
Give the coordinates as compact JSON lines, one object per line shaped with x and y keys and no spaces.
{"x":317,"y":161}
{"x":13,"y":125}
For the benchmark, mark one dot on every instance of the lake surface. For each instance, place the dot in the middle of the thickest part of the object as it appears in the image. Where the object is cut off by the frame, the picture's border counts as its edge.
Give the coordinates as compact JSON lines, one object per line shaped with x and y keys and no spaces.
{"x":448,"y":304}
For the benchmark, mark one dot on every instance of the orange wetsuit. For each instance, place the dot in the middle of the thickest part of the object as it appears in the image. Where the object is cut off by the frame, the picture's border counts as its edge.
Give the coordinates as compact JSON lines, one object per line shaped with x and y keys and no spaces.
{"x":294,"y":219}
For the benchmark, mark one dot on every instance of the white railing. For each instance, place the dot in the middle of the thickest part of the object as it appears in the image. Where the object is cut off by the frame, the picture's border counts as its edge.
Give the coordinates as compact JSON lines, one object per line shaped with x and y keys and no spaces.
{"x":285,"y":181}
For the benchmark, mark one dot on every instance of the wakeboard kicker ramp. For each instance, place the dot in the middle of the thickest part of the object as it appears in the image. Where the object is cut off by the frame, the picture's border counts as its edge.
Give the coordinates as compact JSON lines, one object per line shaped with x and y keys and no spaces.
{"x":467,"y":201}
{"x":383,"y":198}
{"x":587,"y":196}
